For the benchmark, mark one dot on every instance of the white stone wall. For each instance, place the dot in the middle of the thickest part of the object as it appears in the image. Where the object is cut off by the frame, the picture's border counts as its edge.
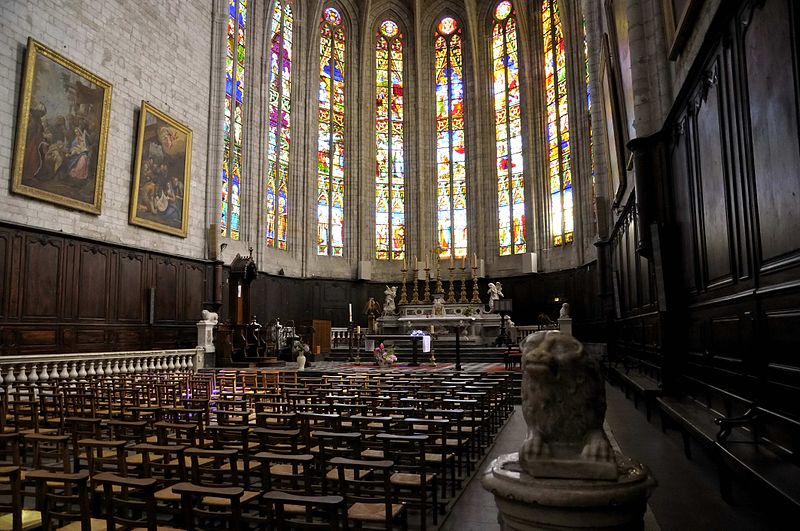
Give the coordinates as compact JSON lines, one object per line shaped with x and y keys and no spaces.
{"x":148,"y":50}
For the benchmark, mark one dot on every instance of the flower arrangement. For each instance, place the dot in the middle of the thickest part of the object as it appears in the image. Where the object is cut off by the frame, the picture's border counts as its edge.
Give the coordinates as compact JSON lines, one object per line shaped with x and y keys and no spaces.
{"x":384,"y":356}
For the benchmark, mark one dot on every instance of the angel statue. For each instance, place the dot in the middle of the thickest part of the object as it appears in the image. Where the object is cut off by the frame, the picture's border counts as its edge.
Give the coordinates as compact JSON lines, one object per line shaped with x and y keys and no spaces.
{"x":388,"y":304}
{"x":495,"y":294}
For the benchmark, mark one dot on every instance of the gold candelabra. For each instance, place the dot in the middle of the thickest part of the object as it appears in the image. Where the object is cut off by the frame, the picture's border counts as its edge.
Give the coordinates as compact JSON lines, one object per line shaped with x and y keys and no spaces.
{"x":475,"y":297}
{"x":463,"y":298}
{"x":451,"y":293}
{"x":427,"y":295}
{"x":439,"y":288}
{"x":403,"y":293}
{"x":415,"y":291}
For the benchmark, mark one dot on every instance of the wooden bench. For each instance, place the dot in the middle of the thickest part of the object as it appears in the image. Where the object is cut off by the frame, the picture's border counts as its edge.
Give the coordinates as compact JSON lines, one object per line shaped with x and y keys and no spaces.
{"x":640,"y":378}
{"x":695,"y":411}
{"x":764,"y":446}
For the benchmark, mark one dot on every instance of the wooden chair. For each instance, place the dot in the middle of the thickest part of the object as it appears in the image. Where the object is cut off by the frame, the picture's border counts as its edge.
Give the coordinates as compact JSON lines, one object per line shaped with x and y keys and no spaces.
{"x":12,"y":514}
{"x":128,"y":503}
{"x":318,"y":512}
{"x":200,"y":513}
{"x":411,"y":479}
{"x":367,"y":491}
{"x":63,"y":500}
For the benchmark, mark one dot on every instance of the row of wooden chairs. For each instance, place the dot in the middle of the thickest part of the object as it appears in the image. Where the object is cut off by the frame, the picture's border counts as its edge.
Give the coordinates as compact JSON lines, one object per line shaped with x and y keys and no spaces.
{"x":214,"y":437}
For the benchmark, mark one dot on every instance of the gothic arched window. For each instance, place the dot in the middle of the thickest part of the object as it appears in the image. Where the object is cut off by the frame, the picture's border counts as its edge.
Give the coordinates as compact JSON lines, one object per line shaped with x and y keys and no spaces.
{"x":330,"y":154}
{"x":232,"y":125}
{"x":451,"y":178}
{"x":279,"y":137}
{"x":508,"y":131}
{"x":558,"y":141}
{"x":390,"y":226}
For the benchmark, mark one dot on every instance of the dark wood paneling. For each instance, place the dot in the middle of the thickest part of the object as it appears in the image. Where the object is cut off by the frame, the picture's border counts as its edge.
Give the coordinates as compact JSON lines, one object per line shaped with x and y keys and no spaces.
{"x":772,"y":88}
{"x":131,"y":291}
{"x":712,"y":183}
{"x":65,"y":294}
{"x":42,"y":279}
{"x":92,"y":284}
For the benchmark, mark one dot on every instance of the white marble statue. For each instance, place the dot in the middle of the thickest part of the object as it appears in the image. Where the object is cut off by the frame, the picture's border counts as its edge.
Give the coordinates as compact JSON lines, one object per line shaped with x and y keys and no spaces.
{"x":564,"y":313}
{"x":495,"y":294}
{"x":388,"y":304}
{"x":210,"y":317}
{"x":438,"y":306}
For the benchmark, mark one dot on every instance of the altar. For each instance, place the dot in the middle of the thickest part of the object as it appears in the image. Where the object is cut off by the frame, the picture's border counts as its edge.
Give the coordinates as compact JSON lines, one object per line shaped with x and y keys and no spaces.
{"x":478,"y":327}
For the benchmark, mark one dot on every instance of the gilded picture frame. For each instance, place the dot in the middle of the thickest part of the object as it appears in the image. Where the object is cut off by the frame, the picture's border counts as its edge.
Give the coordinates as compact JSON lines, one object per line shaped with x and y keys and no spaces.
{"x":62,"y":131}
{"x":161,"y":173}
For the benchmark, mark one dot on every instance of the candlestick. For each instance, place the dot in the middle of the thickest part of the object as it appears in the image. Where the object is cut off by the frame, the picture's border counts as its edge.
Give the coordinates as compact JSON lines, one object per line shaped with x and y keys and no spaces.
{"x":451,"y":293}
{"x":350,"y":312}
{"x":427,"y":298}
{"x":475,"y":297}
{"x":415,"y":292}
{"x":463,"y":298}
{"x":403,"y":294}
{"x":439,"y":288}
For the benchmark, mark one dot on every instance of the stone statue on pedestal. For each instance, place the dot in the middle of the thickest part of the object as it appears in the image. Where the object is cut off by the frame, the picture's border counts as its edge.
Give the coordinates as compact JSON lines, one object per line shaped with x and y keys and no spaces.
{"x":564,"y":313}
{"x":388,"y":304}
{"x":564,"y":405}
{"x":495,"y":294}
{"x":373,"y":311}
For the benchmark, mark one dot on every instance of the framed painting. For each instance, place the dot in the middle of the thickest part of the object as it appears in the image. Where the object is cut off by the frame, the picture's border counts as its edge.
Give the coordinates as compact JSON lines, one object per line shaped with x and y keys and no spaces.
{"x":62,"y":129}
{"x":161,"y":173}
{"x":612,"y":118}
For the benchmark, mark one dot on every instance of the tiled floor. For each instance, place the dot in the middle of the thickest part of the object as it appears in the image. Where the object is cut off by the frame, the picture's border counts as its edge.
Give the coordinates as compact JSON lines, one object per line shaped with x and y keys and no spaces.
{"x":687,"y":497}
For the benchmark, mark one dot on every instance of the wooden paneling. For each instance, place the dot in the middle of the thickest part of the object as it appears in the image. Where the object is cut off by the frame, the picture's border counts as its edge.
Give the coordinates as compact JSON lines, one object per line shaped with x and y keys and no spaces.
{"x":772,"y":88}
{"x":63,"y":294}
{"x":730,"y":256}
{"x":42,"y":278}
{"x":91,"y":288}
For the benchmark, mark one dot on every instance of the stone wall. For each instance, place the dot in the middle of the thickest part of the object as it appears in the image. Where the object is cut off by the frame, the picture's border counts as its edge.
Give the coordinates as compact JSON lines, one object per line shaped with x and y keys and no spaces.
{"x":154,"y":51}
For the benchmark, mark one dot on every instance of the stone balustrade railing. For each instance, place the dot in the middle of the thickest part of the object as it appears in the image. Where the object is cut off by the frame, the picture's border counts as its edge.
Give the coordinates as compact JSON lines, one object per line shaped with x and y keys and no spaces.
{"x":339,"y":337}
{"x":65,"y":367}
{"x":524,"y":331}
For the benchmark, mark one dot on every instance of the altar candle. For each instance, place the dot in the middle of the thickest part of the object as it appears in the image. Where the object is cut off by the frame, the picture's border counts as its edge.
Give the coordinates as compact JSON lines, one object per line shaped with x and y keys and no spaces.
{"x":350,"y":311}
{"x":358,"y":329}
{"x":451,"y":261}
{"x":463,"y":261}
{"x":474,"y":259}
{"x":415,"y":262}
{"x":427,"y":264}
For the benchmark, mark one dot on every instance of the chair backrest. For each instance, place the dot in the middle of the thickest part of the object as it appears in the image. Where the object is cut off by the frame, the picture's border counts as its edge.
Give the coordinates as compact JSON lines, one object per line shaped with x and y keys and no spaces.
{"x":11,"y":490}
{"x":197,"y":513}
{"x":163,"y":463}
{"x":50,"y":452}
{"x":62,"y":498}
{"x":129,"y":502}
{"x":288,"y":473}
{"x":365,"y":482}
{"x":321,"y":512}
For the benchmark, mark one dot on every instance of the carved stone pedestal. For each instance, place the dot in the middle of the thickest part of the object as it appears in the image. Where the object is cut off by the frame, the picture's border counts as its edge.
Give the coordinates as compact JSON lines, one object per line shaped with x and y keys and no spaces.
{"x":205,"y":339}
{"x":527,"y":503}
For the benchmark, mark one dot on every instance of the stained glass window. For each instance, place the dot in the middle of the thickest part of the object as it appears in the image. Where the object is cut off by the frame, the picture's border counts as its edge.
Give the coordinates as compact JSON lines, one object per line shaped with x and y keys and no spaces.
{"x":279,"y":137}
{"x":232,"y":126}
{"x":390,"y":226}
{"x":589,"y":119}
{"x":451,"y":170}
{"x":508,"y":131}
{"x":558,"y":144}
{"x":330,"y":154}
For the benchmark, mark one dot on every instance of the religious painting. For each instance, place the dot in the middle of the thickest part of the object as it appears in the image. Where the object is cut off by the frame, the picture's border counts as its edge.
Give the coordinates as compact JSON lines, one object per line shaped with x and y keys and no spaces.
{"x":62,"y":129}
{"x":612,"y":117}
{"x":161,"y":174}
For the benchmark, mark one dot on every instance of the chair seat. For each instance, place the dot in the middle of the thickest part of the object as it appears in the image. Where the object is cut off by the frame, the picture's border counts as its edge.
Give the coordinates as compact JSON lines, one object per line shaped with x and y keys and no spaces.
{"x":437,"y":458}
{"x":285,"y":469}
{"x":30,"y":520}
{"x":372,"y":512}
{"x":247,"y":497}
{"x":96,"y":523}
{"x":187,"y":461}
{"x":349,"y":474}
{"x":373,"y":454}
{"x":169,"y":495}
{"x":403,"y":479}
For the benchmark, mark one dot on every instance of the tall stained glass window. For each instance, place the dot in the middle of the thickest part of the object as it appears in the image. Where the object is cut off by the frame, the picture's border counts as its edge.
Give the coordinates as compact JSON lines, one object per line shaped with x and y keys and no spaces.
{"x":232,"y":127}
{"x":279,"y":137}
{"x":558,"y":145}
{"x":508,"y":131}
{"x":390,"y":226}
{"x":451,"y":170}
{"x":589,"y":119}
{"x":330,"y":154}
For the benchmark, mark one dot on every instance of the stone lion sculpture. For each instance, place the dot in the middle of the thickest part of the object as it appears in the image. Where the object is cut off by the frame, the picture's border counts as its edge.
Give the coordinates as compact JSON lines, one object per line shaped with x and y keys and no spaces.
{"x":564,"y":406}
{"x":210,"y":317}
